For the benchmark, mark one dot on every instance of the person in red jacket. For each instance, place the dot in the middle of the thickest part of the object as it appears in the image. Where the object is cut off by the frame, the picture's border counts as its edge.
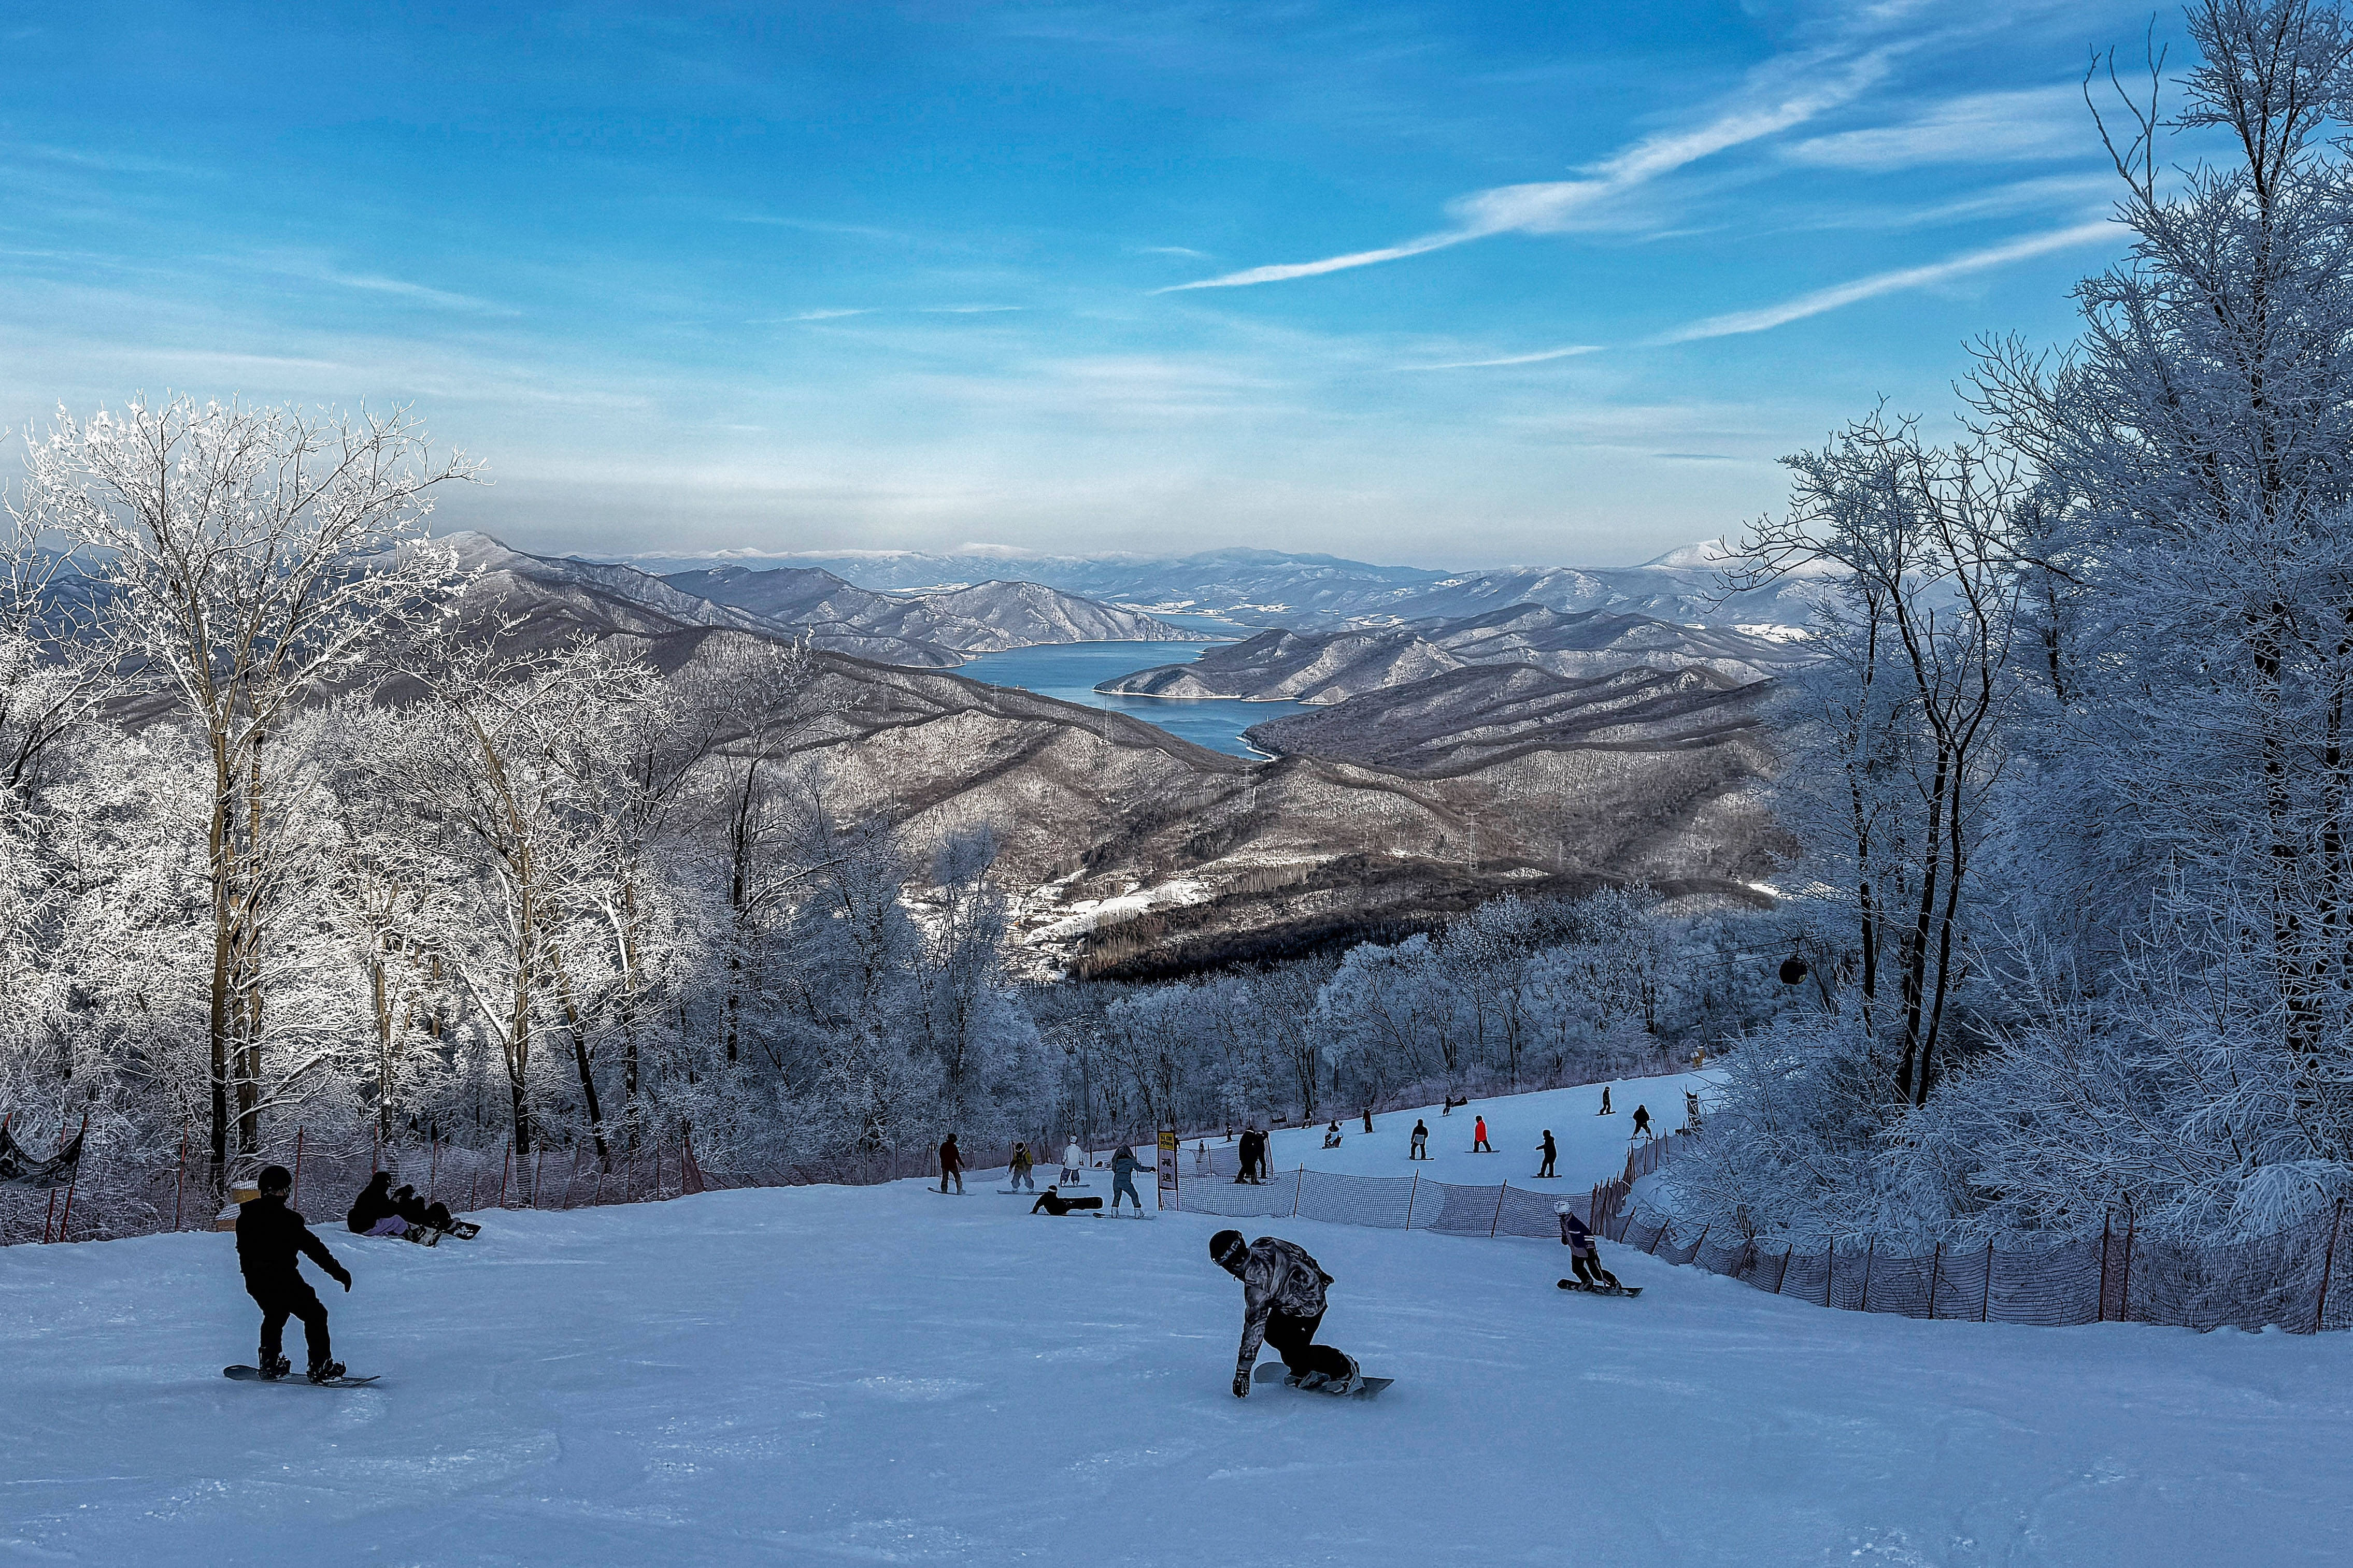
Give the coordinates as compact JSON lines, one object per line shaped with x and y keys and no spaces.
{"x":1479,"y":1138}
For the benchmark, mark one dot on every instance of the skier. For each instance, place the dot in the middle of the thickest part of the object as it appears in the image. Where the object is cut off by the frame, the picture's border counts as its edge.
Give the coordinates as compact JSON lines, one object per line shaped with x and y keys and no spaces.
{"x":950,"y":1165}
{"x":1282,"y":1303}
{"x":1549,"y":1153}
{"x":1053,"y":1203}
{"x":1641,"y":1120}
{"x":1584,"y":1256}
{"x":270,"y":1235}
{"x":1605,"y":1109}
{"x":1331,"y":1136}
{"x":1368,"y":1118}
{"x":1420,"y":1140}
{"x":1201,"y":1158}
{"x":1479,"y":1144}
{"x":1122,"y":1177}
{"x":1017,"y":1172}
{"x":373,"y":1212}
{"x":1074,"y":1160}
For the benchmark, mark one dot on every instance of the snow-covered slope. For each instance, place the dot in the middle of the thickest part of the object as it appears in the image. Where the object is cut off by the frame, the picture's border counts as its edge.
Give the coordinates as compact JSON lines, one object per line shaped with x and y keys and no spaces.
{"x":887,"y":1375}
{"x":986,"y":617}
{"x":1326,"y":668}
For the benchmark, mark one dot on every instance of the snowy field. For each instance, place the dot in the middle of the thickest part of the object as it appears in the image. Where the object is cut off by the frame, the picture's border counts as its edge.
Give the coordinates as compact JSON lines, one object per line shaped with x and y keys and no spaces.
{"x":823,"y":1375}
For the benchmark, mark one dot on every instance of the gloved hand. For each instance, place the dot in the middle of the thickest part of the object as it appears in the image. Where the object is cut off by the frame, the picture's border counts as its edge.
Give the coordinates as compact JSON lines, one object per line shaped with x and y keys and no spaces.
{"x":1241,"y":1386}
{"x":347,"y":1284}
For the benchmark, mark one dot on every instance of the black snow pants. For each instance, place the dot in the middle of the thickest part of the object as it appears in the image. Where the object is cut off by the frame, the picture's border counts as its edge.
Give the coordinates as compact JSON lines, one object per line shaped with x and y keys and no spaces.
{"x":1291,"y":1338}
{"x":291,"y":1299}
{"x":1588,"y":1269}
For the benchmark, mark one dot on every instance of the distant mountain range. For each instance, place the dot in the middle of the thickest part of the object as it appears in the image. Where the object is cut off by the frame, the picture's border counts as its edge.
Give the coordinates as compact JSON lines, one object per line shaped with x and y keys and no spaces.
{"x":925,"y":631}
{"x":1269,"y":587}
{"x":1335,"y":667}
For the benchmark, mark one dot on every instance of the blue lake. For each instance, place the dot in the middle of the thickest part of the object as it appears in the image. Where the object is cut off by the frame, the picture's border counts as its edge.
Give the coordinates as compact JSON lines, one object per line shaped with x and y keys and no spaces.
{"x":1070,"y":671}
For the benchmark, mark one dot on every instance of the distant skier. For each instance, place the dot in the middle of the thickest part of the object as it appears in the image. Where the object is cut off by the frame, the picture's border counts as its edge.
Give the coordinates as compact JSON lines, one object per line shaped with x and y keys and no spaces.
{"x":1420,"y":1140}
{"x":1053,"y":1203}
{"x":1584,"y":1256}
{"x":1479,"y":1144}
{"x":1122,"y":1177}
{"x":1201,"y":1158}
{"x":1605,"y":1109}
{"x":1074,"y":1162}
{"x":269,"y":1238}
{"x":1641,"y":1120}
{"x":1331,"y":1136}
{"x":373,"y":1212}
{"x":950,"y":1165}
{"x":1282,"y":1304}
{"x":1017,"y":1172}
{"x":1549,"y":1153}
{"x":1368,"y":1118}
{"x":1252,"y":1150}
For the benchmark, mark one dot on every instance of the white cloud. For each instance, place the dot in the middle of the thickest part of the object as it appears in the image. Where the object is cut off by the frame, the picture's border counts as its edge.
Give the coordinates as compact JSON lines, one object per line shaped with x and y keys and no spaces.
{"x":1536,"y":358}
{"x":1830,"y":299}
{"x":1980,"y":127}
{"x":1779,"y":95}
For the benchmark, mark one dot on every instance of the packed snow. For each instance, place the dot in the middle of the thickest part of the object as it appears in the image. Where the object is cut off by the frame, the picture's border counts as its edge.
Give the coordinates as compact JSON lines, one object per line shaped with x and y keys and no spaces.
{"x":885,"y":1374}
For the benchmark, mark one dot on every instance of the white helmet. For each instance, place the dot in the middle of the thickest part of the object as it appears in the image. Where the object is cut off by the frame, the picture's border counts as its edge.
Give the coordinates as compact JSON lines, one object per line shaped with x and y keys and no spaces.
{"x":1560,"y":1207}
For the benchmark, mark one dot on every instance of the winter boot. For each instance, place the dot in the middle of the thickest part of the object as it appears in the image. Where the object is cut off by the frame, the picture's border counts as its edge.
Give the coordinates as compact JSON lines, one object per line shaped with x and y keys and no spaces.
{"x":1348,"y":1383}
{"x":273,"y":1367}
{"x":326,"y":1371}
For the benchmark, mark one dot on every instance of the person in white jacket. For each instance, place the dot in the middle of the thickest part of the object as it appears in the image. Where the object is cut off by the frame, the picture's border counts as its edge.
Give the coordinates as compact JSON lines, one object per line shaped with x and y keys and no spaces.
{"x":1074,"y":1162}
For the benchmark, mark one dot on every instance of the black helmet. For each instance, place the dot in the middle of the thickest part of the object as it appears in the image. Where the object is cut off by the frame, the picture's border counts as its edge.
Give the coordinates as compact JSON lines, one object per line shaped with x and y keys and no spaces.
{"x":1227,"y":1247}
{"x":274,"y":1178}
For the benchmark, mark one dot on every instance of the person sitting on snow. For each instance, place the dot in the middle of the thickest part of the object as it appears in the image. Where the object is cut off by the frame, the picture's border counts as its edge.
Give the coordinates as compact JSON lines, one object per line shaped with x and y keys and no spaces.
{"x":417,"y":1211}
{"x":1282,"y":1304}
{"x":1584,"y":1256}
{"x":1331,"y":1136}
{"x":373,"y":1212}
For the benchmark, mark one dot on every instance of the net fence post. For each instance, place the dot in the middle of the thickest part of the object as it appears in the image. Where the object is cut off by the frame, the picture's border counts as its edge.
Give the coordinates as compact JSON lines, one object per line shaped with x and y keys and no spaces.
{"x":180,"y":1181}
{"x":2105,"y":1217}
{"x":2131,"y":1225}
{"x":294,"y":1197}
{"x":1298,"y":1187}
{"x":1410,"y":1194}
{"x":1787,"y":1253}
{"x":2328,"y":1267}
{"x":1936,"y":1266}
{"x":1985,"y":1303}
{"x":1869,"y":1255}
{"x":1498,"y":1220}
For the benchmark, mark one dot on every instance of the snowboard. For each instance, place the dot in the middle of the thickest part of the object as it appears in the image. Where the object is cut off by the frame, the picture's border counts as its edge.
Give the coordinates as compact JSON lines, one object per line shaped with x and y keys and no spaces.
{"x":1275,"y":1371}
{"x":1601,"y":1290}
{"x":463,"y":1229}
{"x":1020,"y":1192}
{"x":253,"y":1374}
{"x":422,"y":1234}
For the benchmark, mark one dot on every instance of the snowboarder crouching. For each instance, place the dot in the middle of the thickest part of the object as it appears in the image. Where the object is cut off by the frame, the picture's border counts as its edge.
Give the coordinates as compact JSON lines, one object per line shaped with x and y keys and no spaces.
{"x":1282,"y":1304}
{"x":1331,"y":1136}
{"x":1584,"y":1257}
{"x":417,"y":1211}
{"x":1053,"y":1203}
{"x":269,"y":1236}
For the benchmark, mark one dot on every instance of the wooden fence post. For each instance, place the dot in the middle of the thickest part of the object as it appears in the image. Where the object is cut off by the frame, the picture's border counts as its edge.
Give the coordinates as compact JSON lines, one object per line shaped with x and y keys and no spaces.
{"x":1297,"y":1188}
{"x":294,"y":1195}
{"x":432,"y":1169}
{"x":1986,"y":1305}
{"x":2105,"y":1218}
{"x":505,"y":1165}
{"x":180,"y":1177}
{"x":1869,"y":1255}
{"x":1410,"y":1194}
{"x":2124,"y":1307}
{"x":1499,"y":1208}
{"x":2328,"y":1266}
{"x":1787,"y":1253}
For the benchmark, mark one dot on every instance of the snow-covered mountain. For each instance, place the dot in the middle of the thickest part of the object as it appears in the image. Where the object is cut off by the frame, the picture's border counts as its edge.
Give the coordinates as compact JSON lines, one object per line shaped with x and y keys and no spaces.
{"x":1271,"y":587}
{"x":986,"y":617}
{"x":1333,"y":666}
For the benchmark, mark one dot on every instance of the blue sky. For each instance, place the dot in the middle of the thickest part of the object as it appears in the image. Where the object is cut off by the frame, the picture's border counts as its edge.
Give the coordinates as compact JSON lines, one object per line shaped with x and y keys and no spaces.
{"x":1449,"y":284}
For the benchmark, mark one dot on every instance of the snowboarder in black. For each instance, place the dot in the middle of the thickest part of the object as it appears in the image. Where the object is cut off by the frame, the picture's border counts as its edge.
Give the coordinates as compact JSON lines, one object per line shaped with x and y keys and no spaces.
{"x":1420,"y":1149}
{"x":1605,"y":1109}
{"x":950,"y":1165}
{"x":1641,"y":1120}
{"x":1053,"y":1203}
{"x":1584,"y":1257}
{"x":1550,"y":1154}
{"x":1282,"y":1303}
{"x":270,"y":1235}
{"x":1252,"y":1150}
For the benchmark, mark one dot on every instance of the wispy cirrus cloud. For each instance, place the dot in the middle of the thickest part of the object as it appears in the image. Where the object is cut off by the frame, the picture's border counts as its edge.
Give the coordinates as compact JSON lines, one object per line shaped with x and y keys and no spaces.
{"x":1536,"y":358}
{"x":1818,"y":301}
{"x":2035,"y":123}
{"x":1778,"y":95}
